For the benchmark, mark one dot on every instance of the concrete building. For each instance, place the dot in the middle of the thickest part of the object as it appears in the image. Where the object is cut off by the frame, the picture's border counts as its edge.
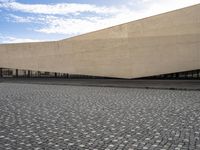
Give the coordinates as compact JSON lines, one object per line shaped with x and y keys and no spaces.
{"x":163,"y":44}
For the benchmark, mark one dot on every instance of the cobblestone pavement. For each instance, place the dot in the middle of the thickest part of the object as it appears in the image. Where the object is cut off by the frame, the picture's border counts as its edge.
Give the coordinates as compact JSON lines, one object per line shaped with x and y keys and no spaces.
{"x":54,"y":117}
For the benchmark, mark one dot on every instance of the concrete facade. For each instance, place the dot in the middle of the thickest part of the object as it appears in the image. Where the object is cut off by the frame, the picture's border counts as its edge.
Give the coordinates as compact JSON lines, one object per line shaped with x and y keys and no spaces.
{"x":161,"y":44}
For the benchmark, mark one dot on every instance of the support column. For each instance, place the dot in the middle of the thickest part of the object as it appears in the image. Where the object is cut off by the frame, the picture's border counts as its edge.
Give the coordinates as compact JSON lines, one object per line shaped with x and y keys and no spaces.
{"x":1,"y":72}
{"x":24,"y":73}
{"x":29,"y":73}
{"x":177,"y":75}
{"x":39,"y":74}
{"x":16,"y":73}
{"x":192,"y":74}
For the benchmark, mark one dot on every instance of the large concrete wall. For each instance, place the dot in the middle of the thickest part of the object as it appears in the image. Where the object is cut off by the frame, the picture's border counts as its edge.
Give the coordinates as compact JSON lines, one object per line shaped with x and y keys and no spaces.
{"x":161,"y":44}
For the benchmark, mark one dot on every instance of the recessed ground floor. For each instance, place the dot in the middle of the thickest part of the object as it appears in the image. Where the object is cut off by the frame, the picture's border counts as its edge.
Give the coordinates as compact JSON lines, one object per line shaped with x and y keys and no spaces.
{"x":8,"y":72}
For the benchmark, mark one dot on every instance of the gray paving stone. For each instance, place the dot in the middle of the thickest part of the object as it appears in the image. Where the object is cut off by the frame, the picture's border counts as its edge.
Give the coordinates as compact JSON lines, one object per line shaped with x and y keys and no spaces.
{"x":75,"y":118}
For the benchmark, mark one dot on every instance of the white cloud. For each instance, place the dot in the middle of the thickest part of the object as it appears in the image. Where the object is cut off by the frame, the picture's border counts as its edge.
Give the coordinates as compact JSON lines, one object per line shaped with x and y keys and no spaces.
{"x":10,"y":39}
{"x":160,"y":6}
{"x":50,"y":19}
{"x":76,"y":26}
{"x":59,"y":9}
{"x":6,"y":1}
{"x":19,"y":19}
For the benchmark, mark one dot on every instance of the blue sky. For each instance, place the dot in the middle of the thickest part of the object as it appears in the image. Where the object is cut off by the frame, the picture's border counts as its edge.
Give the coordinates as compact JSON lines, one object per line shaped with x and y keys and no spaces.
{"x":36,"y":20}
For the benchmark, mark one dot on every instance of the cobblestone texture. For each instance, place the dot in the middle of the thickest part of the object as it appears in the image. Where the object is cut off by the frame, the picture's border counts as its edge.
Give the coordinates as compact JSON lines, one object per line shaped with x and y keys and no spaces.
{"x":75,"y":118}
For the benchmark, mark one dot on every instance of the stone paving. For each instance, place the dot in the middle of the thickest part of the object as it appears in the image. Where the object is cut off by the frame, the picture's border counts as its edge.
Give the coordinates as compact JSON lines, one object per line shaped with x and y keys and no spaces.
{"x":52,"y":117}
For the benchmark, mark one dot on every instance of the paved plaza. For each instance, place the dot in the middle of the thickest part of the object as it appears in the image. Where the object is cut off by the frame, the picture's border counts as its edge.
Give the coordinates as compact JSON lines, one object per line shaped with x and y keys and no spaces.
{"x":55,"y":117}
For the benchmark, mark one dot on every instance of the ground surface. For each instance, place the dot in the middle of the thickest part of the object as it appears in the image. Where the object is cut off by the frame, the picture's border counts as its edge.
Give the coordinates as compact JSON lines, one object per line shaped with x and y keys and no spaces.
{"x":152,"y":84}
{"x":73,"y":117}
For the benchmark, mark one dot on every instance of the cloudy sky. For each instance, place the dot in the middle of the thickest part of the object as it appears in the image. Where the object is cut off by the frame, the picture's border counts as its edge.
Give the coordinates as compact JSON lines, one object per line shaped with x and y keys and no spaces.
{"x":37,"y":20}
